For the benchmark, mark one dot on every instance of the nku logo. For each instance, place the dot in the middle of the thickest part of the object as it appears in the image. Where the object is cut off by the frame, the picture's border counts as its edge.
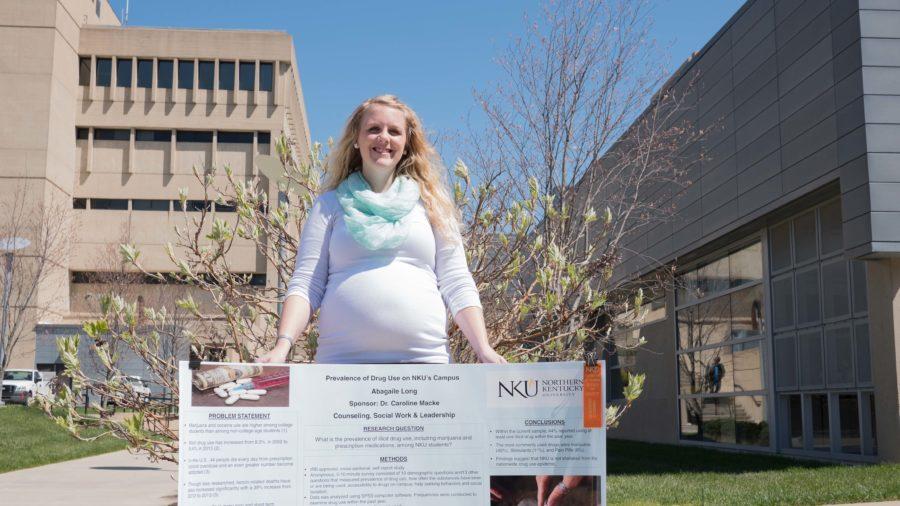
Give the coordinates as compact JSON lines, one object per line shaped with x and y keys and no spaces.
{"x":518,"y":388}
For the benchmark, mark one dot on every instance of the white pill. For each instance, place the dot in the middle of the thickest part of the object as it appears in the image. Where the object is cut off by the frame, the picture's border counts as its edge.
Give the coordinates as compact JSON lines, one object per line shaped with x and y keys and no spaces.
{"x":221,"y":393}
{"x":228,"y":386}
{"x":232,"y":399}
{"x":249,"y":397}
{"x":243,"y":380}
{"x":257,"y":391}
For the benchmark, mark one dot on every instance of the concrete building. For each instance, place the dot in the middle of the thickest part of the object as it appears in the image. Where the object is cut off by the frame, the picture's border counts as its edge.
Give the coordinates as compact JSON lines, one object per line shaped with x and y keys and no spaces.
{"x":111,"y":121}
{"x":782,"y":333}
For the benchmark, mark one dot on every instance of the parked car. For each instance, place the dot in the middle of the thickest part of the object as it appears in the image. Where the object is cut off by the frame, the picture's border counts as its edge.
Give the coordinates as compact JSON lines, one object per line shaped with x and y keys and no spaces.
{"x":138,"y":385}
{"x":22,"y":385}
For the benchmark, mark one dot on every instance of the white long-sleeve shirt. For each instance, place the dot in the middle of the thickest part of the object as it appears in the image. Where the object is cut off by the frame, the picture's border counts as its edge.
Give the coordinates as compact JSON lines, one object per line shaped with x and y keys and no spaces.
{"x":384,"y":306}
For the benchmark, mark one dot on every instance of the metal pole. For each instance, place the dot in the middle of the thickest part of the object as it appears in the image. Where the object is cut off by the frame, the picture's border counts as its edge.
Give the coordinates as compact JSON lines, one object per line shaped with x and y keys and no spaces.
{"x":7,"y":287}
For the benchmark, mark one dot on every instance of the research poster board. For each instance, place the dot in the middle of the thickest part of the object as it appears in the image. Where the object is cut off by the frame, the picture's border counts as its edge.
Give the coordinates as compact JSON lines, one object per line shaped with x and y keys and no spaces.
{"x":323,"y":435}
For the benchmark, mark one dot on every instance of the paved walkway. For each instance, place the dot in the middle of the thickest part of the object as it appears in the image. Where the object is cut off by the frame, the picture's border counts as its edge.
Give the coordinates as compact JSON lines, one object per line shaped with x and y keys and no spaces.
{"x":114,"y":478}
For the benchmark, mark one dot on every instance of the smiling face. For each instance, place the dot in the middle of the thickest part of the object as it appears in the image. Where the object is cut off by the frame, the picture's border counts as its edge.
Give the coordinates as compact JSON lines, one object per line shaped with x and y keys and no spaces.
{"x":382,"y":138}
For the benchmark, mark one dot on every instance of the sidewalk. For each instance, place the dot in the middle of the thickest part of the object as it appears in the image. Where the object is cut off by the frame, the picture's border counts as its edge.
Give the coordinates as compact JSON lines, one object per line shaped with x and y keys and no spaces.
{"x":114,"y":478}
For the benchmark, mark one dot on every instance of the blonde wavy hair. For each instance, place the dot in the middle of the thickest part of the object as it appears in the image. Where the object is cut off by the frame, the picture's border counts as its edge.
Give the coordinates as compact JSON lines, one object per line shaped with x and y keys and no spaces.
{"x":421,"y":162}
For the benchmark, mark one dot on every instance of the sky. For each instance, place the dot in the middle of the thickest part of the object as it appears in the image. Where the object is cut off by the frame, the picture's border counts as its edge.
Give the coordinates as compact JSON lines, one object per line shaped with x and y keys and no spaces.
{"x":430,"y":53}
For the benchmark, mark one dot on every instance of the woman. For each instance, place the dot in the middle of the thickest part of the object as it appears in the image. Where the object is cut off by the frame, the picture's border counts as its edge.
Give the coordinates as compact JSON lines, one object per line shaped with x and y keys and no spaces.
{"x":381,"y":253}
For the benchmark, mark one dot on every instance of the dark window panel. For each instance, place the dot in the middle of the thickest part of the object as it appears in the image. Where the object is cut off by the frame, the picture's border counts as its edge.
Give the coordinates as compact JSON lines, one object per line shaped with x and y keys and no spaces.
{"x":123,"y":72}
{"x":164,"y":73}
{"x":153,"y":135}
{"x":206,"y":75}
{"x":186,"y":74}
{"x":145,"y":73}
{"x":194,"y":136}
{"x":149,"y":205}
{"x":84,"y":71}
{"x":198,"y":205}
{"x":265,"y":76}
{"x":81,"y":133}
{"x":263,"y":138}
{"x":110,"y":204}
{"x":104,"y":71}
{"x":79,"y":203}
{"x":109,"y":134}
{"x":225,"y":208}
{"x":226,"y":75}
{"x":258,"y":280}
{"x":247,"y":76}
{"x":236,"y":137}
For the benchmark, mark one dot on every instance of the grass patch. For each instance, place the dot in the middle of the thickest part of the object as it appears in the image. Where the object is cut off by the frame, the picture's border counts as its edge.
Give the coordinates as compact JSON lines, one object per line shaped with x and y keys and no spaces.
{"x":28,"y":439}
{"x":643,"y":473}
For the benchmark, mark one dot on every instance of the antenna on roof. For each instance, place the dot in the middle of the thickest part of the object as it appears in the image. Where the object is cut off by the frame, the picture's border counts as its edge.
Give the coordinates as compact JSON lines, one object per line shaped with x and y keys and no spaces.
{"x":125,"y":14}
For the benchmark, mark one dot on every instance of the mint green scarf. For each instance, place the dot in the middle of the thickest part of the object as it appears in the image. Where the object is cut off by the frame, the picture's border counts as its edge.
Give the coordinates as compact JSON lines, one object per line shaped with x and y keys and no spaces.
{"x":377,"y":220}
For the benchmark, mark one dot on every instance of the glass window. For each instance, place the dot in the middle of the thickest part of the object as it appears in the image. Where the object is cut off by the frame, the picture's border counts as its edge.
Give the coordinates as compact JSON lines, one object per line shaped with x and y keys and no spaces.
{"x":713,"y":324}
{"x":808,"y":296}
{"x":786,"y":361}
{"x":848,"y":407}
{"x":688,"y":334}
{"x":810,"y":354}
{"x":109,"y":134}
{"x":783,"y":302}
{"x":747,"y":313}
{"x":750,"y":426}
{"x":149,"y":205}
{"x":226,"y":75}
{"x":247,"y":76}
{"x":839,"y":356}
{"x":795,"y":417}
{"x":805,"y":237}
{"x":860,"y":297}
{"x":618,"y":380}
{"x":819,"y":416}
{"x":717,"y":366}
{"x":145,"y":73}
{"x":186,"y":74}
{"x":747,"y":366}
{"x":835,"y":289}
{"x":206,"y":74}
{"x":110,"y":204}
{"x":873,"y":432}
{"x":198,"y":205}
{"x":164,"y":73}
{"x":831,"y":225}
{"x":81,"y":134}
{"x":79,"y":203}
{"x":780,"y":244}
{"x":193,"y":136}
{"x":226,"y":208}
{"x":746,"y":265}
{"x":713,"y":277}
{"x":687,"y":288}
{"x":104,"y":71}
{"x":691,"y":418}
{"x":265,"y":76}
{"x":235,"y":137}
{"x":153,"y":135}
{"x":263,"y":138}
{"x":863,"y":358}
{"x":84,"y":71}
{"x":123,"y":72}
{"x":718,"y":420}
{"x":691,"y":377}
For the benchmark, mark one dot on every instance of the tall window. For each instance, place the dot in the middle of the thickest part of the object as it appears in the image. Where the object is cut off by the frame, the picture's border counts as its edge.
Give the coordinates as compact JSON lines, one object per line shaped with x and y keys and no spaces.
{"x":145,"y":73}
{"x":104,"y":71}
{"x":721,"y":320}
{"x":186,"y":74}
{"x":247,"y":77}
{"x":123,"y":72}
{"x":265,"y":76}
{"x":164,"y":73}
{"x":226,"y":75}
{"x":84,"y":71}
{"x":822,"y":363}
{"x":206,"y":75}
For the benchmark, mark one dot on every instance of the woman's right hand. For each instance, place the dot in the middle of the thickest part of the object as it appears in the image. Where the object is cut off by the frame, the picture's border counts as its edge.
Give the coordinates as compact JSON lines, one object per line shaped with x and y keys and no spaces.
{"x":276,"y":355}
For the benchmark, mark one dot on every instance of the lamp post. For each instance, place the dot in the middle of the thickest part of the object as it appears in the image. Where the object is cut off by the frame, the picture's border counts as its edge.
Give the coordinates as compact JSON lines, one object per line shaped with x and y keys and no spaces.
{"x":8,"y":246}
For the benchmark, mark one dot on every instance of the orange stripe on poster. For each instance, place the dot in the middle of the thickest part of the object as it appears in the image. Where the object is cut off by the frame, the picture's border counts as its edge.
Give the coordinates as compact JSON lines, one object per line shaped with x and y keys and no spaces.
{"x":593,"y":396}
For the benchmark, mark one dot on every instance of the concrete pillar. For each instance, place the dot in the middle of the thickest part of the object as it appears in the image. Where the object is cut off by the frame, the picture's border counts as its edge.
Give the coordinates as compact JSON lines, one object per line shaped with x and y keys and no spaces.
{"x":173,"y":152}
{"x":90,"y":154}
{"x":129,"y":164}
{"x":93,"y":85}
{"x":215,"y":90}
{"x":884,"y":324}
{"x":113,"y":77}
{"x":214,"y":163}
